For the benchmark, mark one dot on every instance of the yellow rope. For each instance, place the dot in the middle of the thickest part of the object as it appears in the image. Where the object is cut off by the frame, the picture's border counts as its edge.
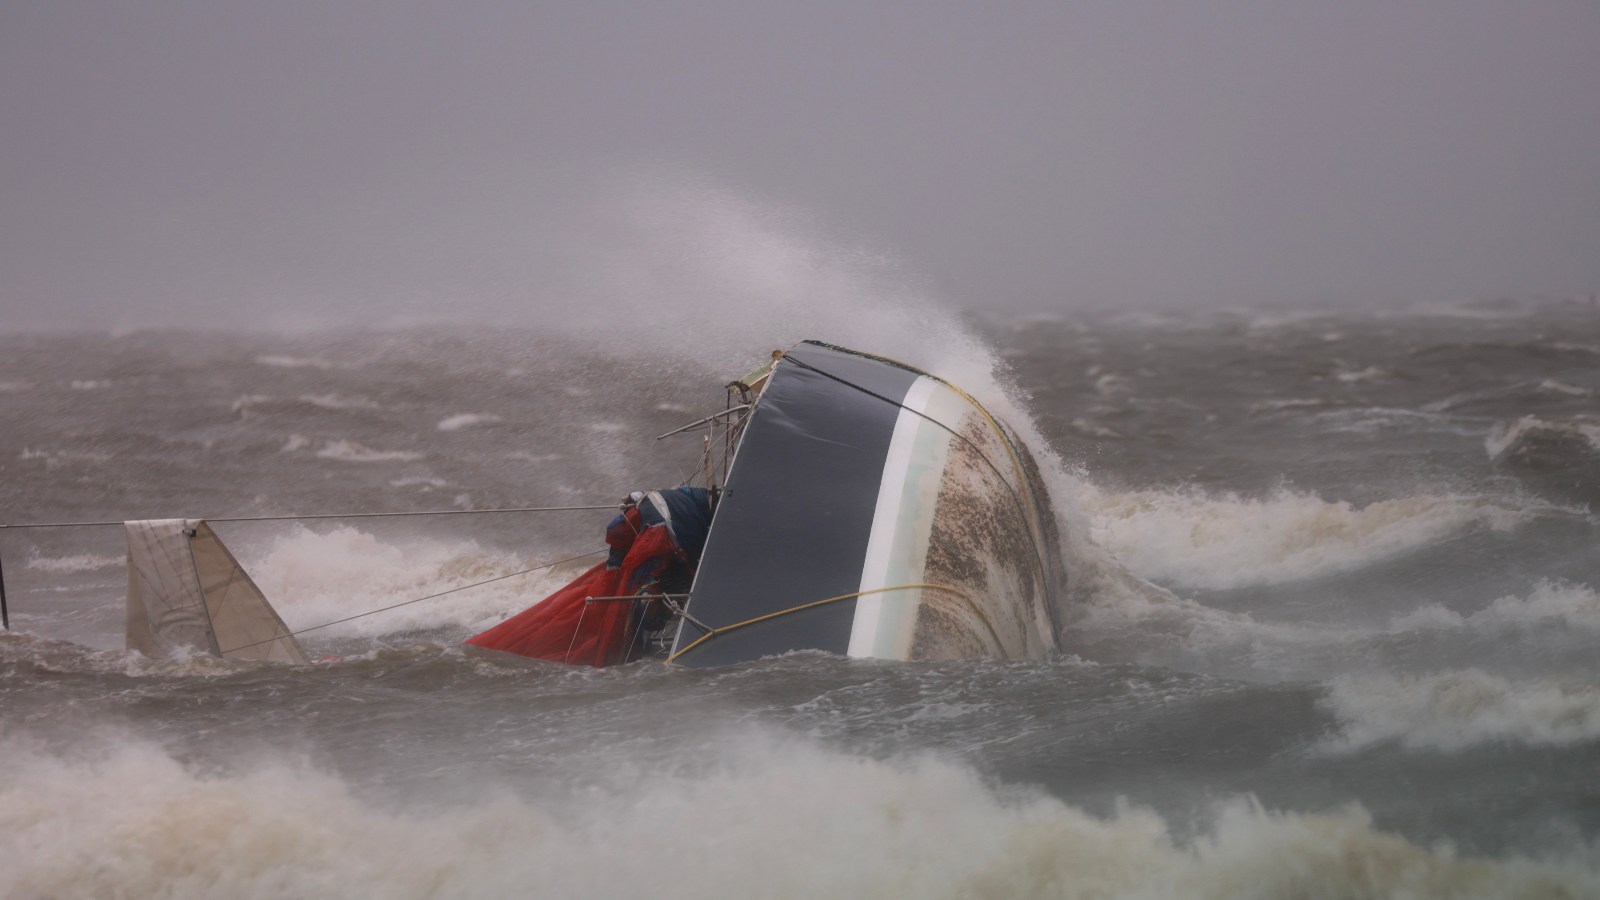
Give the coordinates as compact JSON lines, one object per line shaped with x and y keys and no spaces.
{"x":816,"y":603}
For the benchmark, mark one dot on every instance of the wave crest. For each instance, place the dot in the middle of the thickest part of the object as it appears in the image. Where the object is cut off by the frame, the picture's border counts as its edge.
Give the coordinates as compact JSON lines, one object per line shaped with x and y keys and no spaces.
{"x":1222,"y":541}
{"x":1461,"y":709}
{"x":315,"y":577}
{"x":131,"y":820}
{"x":1550,"y":602}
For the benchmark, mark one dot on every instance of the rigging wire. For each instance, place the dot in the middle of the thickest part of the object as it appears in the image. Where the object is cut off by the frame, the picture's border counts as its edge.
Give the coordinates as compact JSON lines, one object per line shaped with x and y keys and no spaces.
{"x":286,"y":518}
{"x":5,"y":613}
{"x":420,"y":599}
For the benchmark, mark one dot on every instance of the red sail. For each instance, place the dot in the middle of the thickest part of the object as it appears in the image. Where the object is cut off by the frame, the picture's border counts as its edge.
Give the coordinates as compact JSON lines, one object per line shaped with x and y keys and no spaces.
{"x":563,"y":627}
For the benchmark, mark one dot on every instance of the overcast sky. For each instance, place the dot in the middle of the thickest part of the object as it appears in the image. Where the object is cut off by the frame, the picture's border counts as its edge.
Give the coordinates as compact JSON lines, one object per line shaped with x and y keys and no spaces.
{"x":280,"y":161}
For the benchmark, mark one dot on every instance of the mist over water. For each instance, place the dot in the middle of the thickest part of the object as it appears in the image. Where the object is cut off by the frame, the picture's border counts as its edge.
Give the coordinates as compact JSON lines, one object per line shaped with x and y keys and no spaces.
{"x":1335,"y":569}
{"x":1330,"y":628}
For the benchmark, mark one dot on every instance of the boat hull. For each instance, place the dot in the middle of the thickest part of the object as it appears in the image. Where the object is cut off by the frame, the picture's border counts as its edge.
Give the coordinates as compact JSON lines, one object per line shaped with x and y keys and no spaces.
{"x":873,"y":510}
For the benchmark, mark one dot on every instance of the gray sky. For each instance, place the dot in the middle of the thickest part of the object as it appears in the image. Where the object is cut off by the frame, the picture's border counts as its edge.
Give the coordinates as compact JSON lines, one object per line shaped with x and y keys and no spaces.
{"x":282,"y":162}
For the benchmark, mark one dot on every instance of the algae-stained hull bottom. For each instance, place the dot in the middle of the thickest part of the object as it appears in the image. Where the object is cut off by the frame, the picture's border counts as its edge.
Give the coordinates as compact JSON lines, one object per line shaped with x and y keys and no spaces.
{"x":874,"y":510}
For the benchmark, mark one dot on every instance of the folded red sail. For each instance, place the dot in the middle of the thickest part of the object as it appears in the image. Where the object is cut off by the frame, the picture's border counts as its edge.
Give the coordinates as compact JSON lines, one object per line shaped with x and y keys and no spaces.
{"x":565,"y":627}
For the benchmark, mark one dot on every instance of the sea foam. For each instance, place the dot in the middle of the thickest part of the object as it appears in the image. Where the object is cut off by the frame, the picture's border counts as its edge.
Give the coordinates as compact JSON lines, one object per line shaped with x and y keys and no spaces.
{"x":763,"y":821}
{"x":79,"y":562}
{"x":350,"y":451}
{"x":467,"y":420}
{"x":1217,"y":541}
{"x":314,"y":577}
{"x":1510,"y":437}
{"x":1549,"y":603}
{"x":1459,"y":709}
{"x":296,"y":362}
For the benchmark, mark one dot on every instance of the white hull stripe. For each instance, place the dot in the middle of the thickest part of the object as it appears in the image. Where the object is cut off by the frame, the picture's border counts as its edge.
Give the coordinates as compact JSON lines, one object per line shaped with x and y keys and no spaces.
{"x":882,"y":621}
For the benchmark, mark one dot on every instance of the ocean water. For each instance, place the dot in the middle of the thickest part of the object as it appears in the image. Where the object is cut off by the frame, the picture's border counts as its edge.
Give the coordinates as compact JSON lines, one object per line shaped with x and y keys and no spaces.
{"x":1331,"y":630}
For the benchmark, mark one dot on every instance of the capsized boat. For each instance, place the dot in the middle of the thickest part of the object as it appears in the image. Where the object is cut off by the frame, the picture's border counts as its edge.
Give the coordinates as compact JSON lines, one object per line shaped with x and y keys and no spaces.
{"x":848,"y":503}
{"x":861,"y":507}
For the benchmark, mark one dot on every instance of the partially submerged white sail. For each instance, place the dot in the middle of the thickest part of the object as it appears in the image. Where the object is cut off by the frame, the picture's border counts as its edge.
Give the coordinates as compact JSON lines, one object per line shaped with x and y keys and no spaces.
{"x":186,"y":590}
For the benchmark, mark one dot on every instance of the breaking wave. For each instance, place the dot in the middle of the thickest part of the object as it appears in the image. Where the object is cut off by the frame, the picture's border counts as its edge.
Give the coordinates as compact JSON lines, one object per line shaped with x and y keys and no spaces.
{"x":20,"y":651}
{"x":317,"y":577}
{"x":334,"y":402}
{"x":79,"y":562}
{"x":1370,"y":373}
{"x":1531,"y":438}
{"x":467,"y":420}
{"x":1549,"y":603}
{"x":350,"y":451}
{"x":1219,"y":541}
{"x":56,"y":458}
{"x":1460,"y":709}
{"x":128,"y":819}
{"x":1560,"y":387}
{"x":297,"y":362}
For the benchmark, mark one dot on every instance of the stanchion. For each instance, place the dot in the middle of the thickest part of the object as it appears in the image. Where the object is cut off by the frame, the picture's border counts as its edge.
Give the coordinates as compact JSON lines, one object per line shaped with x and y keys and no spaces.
{"x":5,"y":615}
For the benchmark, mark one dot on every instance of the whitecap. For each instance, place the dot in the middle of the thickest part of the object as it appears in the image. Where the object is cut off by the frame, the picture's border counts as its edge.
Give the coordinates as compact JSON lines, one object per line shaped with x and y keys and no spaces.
{"x":296,"y":362}
{"x":1112,"y":385}
{"x":350,"y":451}
{"x":429,"y":481}
{"x":335,"y":401}
{"x":527,"y":456}
{"x":57,"y":458}
{"x":82,"y":562}
{"x":320,"y":401}
{"x":1459,"y":709}
{"x":1560,"y":387}
{"x":467,"y":420}
{"x":1370,"y":373}
{"x":1089,"y":428}
{"x":1569,"y":347}
{"x":1508,"y":436}
{"x":754,"y":819}
{"x":1267,"y":406}
{"x":251,"y":401}
{"x":1221,"y":541}
{"x":314,"y":577}
{"x":1549,"y":603}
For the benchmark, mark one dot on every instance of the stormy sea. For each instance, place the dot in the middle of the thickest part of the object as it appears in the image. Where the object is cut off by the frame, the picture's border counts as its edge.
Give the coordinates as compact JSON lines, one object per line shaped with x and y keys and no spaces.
{"x":1331,"y":628}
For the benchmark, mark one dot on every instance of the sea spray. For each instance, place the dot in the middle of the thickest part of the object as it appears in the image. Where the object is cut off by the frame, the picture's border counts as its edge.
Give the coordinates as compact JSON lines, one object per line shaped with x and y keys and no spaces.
{"x":315,"y":576}
{"x":765,"y":821}
{"x":1202,"y":540}
{"x":1460,"y":709}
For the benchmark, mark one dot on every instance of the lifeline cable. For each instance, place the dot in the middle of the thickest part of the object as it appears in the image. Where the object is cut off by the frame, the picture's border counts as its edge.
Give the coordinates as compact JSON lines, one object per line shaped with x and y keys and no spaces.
{"x":287,"y":518}
{"x":420,"y":599}
{"x":5,"y":614}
